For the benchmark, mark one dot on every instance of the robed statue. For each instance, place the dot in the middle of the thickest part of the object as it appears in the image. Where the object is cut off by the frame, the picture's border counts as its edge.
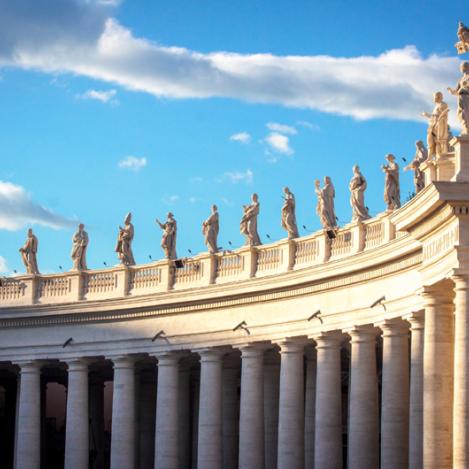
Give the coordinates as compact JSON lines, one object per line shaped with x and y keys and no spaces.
{"x":248,"y":223}
{"x":462,"y":93}
{"x":28,"y":253}
{"x":168,"y":240}
{"x":124,"y":242}
{"x":357,"y":188}
{"x":437,"y":131}
{"x":421,"y":156}
{"x":80,"y":244}
{"x":288,"y":214}
{"x":392,"y":192}
{"x":325,"y":206}
{"x":210,"y":228}
{"x":462,"y":45}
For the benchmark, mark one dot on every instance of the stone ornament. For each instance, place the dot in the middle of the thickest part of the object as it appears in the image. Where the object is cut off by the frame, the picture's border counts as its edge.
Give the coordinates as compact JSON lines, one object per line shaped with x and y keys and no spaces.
{"x":210,"y":229}
{"x":325,"y":206}
{"x":80,"y":244}
{"x":124,"y":242}
{"x":28,"y":253}
{"x":288,"y":214}
{"x":248,"y":223}
{"x":392,"y":194}
{"x":357,"y":188}
{"x":437,"y":132}
{"x":462,"y":45}
{"x":168,"y":240}
{"x":462,"y":93}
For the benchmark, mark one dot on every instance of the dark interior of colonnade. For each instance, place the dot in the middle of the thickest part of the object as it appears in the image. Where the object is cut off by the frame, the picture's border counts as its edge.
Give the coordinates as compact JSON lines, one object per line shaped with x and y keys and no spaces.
{"x":53,"y":410}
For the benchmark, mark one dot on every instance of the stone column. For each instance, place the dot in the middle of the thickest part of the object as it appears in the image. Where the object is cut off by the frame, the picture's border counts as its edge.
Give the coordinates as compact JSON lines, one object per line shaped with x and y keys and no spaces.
{"x":271,"y":395}
{"x":209,"y":448}
{"x":251,"y":418}
{"x":416,"y":391}
{"x":291,"y":406}
{"x":147,"y":413}
{"x":310,"y":406}
{"x":167,"y":418}
{"x":438,"y":377}
{"x":28,"y":431}
{"x":363,"y":434}
{"x":184,"y":427}
{"x":231,"y":379}
{"x":328,"y":433}
{"x":395,"y":395}
{"x":123,"y":414}
{"x":96,"y":412}
{"x":461,"y":374}
{"x":77,"y":420}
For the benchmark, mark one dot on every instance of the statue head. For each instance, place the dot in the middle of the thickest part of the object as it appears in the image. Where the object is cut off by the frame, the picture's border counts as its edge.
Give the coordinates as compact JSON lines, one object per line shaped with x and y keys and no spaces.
{"x":465,"y":67}
{"x":81,"y":226}
{"x":30,"y":233}
{"x":286,"y":190}
{"x":438,"y":97}
{"x":327,"y":180}
{"x":214,"y":208}
{"x":170,"y":215}
{"x":390,"y":157}
{"x":419,"y":144}
{"x":254,"y":197}
{"x":356,"y":169}
{"x":128,"y":218}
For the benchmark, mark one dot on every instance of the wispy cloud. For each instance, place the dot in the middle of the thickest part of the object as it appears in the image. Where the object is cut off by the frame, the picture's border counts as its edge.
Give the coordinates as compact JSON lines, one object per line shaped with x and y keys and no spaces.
{"x":309,"y":125}
{"x":102,"y":96}
{"x":236,"y":177}
{"x":3,"y":266}
{"x":279,"y":143}
{"x":171,"y":199}
{"x":281,"y":128}
{"x":18,"y":210}
{"x":133,"y":163}
{"x":241,"y":137}
{"x":85,"y":39}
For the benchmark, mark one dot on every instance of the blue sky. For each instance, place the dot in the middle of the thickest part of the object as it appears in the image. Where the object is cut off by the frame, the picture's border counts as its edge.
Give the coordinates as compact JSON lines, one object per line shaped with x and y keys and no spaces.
{"x":310,"y":88}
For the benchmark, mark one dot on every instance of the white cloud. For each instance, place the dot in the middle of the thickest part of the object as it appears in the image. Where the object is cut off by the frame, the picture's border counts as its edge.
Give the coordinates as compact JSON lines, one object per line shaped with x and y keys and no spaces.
{"x":82,"y":38}
{"x":309,"y":125}
{"x":133,"y":163}
{"x":3,"y":266}
{"x":241,"y":137}
{"x":102,"y":96}
{"x":237,"y":176}
{"x":17,"y":210}
{"x":281,"y":128}
{"x":279,"y":143}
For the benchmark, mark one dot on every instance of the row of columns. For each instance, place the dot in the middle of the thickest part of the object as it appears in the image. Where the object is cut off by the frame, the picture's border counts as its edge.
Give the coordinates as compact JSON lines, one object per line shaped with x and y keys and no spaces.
{"x":415,"y":428}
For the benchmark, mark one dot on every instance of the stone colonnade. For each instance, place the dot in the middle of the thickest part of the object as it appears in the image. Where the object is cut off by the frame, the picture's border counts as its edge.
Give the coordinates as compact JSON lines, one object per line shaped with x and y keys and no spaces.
{"x":281,"y":404}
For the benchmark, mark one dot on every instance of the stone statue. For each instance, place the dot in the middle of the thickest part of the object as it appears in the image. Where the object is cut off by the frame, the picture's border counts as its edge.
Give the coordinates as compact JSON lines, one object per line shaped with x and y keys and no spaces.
{"x":462,"y":45}
{"x":325,"y":206}
{"x":124,"y":242}
{"x":462,"y":92}
{"x":357,"y":188}
{"x":421,"y":156}
{"x":288,"y":214}
{"x":437,"y":132}
{"x":392,"y":194}
{"x":210,"y":228}
{"x":168,"y":240}
{"x":80,"y":243}
{"x":28,"y":253}
{"x":248,"y":224}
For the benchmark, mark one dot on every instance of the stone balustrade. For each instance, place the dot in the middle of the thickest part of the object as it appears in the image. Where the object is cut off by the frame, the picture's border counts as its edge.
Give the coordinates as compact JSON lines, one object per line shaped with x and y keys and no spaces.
{"x":202,"y":270}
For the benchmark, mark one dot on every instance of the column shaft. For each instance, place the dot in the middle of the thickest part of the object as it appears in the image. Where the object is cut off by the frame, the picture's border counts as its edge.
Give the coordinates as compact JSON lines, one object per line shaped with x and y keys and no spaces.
{"x":209,"y":451}
{"x":77,"y":421}
{"x":328,"y":432}
{"x":184,"y":417}
{"x":167,"y":418}
{"x":28,"y":431}
{"x":363,"y":434}
{"x":271,"y":403}
{"x":291,"y":406}
{"x":416,"y":392}
{"x":395,"y":395}
{"x":438,"y":379}
{"x":251,"y":420}
{"x":123,"y":414}
{"x":310,"y":406}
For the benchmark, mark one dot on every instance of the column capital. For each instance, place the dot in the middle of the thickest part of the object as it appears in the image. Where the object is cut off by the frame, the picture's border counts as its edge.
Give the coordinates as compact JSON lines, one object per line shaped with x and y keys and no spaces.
{"x":460,"y":279}
{"x":292,"y":344}
{"x":395,"y":327}
{"x":123,"y":361}
{"x":360,"y":334}
{"x":212,"y":354}
{"x":77,"y":364}
{"x":30,"y":366}
{"x":168,"y":358}
{"x":329,"y":339}
{"x":416,"y":320}
{"x":254,"y":349}
{"x":440,"y":294}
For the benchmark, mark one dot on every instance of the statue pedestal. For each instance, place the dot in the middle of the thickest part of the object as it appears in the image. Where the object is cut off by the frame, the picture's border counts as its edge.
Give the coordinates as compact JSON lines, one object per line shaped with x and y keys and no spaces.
{"x":461,"y":149}
{"x":429,"y":170}
{"x":445,"y":167}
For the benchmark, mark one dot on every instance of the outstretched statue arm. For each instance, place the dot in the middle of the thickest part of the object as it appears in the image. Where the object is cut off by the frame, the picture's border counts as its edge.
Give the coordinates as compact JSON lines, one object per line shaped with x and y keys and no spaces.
{"x":161,"y":225}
